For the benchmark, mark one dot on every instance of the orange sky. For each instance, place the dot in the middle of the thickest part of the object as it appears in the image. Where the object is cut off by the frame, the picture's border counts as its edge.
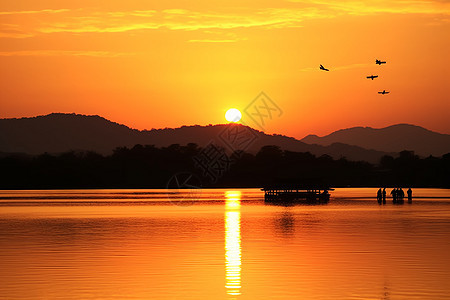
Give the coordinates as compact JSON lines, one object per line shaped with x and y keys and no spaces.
{"x":153,"y":64}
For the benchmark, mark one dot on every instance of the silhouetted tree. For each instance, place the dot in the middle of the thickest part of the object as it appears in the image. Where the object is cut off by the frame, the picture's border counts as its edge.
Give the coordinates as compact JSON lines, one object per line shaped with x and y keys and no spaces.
{"x":146,"y":166}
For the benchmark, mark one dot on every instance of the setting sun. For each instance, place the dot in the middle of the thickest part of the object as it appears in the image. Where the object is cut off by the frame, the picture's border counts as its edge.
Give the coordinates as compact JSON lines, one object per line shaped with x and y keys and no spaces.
{"x":233,"y":115}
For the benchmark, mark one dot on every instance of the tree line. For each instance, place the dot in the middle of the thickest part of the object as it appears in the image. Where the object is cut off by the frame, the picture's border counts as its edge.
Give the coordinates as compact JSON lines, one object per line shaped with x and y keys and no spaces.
{"x":146,"y":166}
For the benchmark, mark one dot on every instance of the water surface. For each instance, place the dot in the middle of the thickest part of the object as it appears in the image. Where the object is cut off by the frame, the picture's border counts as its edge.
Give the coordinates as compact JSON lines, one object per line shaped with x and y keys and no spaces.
{"x":228,"y":244}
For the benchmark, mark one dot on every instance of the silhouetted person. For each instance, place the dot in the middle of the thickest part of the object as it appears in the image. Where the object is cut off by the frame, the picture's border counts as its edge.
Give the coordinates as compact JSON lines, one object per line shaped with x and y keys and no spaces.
{"x":384,"y":195}
{"x":401,"y":194}
{"x":394,"y":195}
{"x":409,"y":192}
{"x":379,"y":196}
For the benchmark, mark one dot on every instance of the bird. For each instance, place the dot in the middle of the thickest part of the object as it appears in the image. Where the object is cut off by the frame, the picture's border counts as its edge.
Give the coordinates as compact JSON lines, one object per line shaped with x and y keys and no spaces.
{"x":372,"y":77}
{"x":379,"y":62}
{"x":323,"y":68}
{"x":383,"y":92}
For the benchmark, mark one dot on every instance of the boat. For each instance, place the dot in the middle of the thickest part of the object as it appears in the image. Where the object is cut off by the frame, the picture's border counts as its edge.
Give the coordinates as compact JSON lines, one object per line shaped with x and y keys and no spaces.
{"x":289,"y":193}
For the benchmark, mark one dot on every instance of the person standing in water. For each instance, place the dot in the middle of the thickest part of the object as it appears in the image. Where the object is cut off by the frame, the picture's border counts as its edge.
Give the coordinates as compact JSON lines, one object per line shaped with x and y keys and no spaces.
{"x":394,"y":195}
{"x":384,"y":195}
{"x":379,"y":196}
{"x":401,"y":193}
{"x":409,"y":192}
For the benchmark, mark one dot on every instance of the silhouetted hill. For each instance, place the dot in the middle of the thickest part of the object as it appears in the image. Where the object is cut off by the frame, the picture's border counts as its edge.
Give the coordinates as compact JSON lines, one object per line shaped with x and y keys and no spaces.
{"x":394,"y":138}
{"x":56,"y":133}
{"x":202,"y":135}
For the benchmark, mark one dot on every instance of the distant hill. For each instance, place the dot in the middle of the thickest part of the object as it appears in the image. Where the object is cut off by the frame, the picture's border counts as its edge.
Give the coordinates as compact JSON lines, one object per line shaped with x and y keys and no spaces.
{"x":394,"y":138}
{"x":58,"y":132}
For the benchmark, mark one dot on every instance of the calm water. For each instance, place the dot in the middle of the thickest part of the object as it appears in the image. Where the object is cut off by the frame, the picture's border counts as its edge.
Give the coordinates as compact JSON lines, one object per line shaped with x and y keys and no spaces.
{"x":142,"y":244}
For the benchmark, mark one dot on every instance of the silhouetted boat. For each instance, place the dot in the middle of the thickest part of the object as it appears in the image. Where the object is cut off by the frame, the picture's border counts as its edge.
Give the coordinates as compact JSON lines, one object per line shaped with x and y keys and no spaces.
{"x":289,"y":193}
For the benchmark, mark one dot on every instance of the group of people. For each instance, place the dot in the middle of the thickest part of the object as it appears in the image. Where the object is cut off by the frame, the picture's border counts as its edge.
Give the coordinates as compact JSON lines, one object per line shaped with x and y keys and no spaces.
{"x":397,"y":195}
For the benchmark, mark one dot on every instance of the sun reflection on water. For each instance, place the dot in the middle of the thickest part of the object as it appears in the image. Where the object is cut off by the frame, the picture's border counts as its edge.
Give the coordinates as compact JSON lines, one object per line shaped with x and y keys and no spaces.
{"x":233,"y":242}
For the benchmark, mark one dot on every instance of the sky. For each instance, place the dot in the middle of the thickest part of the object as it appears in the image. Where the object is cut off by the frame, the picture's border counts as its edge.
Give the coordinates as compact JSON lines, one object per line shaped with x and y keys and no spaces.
{"x":156,"y":64}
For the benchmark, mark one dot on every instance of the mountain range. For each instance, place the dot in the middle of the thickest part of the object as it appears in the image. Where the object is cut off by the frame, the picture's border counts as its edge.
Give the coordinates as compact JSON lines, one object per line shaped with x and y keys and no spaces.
{"x":57,"y":132}
{"x":393,"y":138}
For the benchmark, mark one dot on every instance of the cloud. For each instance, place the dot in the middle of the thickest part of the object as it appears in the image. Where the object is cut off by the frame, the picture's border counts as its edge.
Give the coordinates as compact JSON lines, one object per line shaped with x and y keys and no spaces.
{"x":213,"y":41}
{"x":15,"y":35}
{"x":371,"y":7}
{"x":13,"y":31}
{"x":134,"y":13}
{"x":179,"y":19}
{"x":85,"y":21}
{"x":27,"y":12}
{"x":173,"y":19}
{"x":63,"y":53}
{"x":270,"y":18}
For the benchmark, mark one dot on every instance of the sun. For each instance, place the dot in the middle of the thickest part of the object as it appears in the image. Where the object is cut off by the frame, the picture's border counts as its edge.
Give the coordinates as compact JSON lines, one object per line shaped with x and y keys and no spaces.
{"x":233,"y":115}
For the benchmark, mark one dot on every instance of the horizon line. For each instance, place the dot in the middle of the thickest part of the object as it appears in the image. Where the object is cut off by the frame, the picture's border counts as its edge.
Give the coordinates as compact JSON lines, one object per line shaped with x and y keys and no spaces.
{"x":210,"y":124}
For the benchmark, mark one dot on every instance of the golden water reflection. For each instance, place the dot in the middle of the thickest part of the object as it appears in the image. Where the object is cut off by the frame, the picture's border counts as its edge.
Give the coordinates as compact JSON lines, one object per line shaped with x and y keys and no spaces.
{"x":233,"y":242}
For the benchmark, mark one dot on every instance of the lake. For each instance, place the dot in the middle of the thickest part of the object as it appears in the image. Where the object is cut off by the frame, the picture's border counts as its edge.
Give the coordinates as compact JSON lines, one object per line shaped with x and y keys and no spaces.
{"x":222,"y":244}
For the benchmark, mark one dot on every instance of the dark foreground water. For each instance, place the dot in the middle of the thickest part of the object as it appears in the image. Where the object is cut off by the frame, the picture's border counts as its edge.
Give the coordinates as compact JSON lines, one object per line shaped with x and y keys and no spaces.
{"x":146,"y":244}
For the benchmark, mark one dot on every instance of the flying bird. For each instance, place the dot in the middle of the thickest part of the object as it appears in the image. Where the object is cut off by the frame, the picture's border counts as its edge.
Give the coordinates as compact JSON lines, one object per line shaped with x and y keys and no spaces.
{"x":383,"y":92}
{"x":323,"y":68}
{"x":372,"y":77}
{"x":379,"y":62}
